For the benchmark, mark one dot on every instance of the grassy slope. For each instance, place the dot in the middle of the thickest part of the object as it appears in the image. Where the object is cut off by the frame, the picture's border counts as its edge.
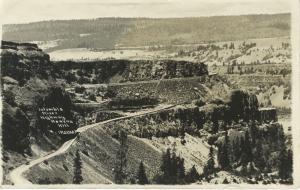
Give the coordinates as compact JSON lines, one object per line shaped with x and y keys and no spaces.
{"x":98,"y":151}
{"x":194,"y":152}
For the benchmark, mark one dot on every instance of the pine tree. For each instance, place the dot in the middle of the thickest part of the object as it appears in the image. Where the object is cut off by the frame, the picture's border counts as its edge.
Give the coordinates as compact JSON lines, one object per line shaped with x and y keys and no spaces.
{"x":121,"y":159}
{"x":141,"y":175}
{"x":226,"y":152}
{"x":211,"y":157}
{"x":173,"y":168}
{"x":192,"y":176}
{"x":209,"y":168}
{"x":223,"y":157}
{"x":77,"y":179}
{"x":180,"y":171}
{"x":259,"y":157}
{"x":248,"y":148}
{"x":283,"y":174}
{"x":236,"y":149}
{"x":215,"y":127}
{"x":225,"y":181}
{"x":285,"y":165}
{"x":243,"y":157}
{"x":289,"y":163}
{"x":215,"y":118}
{"x":166,"y":167}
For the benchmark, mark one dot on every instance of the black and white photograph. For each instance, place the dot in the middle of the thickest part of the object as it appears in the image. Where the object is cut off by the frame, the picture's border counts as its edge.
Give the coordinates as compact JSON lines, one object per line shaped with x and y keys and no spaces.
{"x":149,"y":93}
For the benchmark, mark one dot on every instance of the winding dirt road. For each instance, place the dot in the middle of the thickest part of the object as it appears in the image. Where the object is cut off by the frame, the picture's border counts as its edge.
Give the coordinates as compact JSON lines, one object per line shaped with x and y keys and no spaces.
{"x":16,"y":175}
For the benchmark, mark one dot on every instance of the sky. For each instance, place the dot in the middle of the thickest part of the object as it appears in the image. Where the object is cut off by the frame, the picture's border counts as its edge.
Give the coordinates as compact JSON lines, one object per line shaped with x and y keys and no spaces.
{"x":24,"y":11}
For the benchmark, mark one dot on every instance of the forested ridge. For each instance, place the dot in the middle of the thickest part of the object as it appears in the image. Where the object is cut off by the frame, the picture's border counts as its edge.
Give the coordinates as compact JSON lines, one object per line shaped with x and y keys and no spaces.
{"x":108,"y":32}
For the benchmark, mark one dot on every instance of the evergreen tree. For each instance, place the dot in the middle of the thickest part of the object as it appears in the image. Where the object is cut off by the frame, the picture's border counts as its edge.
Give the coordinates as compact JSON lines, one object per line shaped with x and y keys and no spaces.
{"x":77,"y":179}
{"x":248,"y":148}
{"x":243,"y":158}
{"x":215,"y":127}
{"x":231,"y":46}
{"x":174,"y":168}
{"x":223,"y":157}
{"x":225,"y":181}
{"x":259,"y":159}
{"x":236,"y":150}
{"x":226,"y":152}
{"x":209,"y":168}
{"x":236,"y":104}
{"x":283,"y":174}
{"x":242,"y":151}
{"x":285,"y":165}
{"x":121,"y":159}
{"x":166,"y":167}
{"x":141,"y":175}
{"x":289,"y":163}
{"x":192,"y":176}
{"x":215,"y":118}
{"x":180,"y":171}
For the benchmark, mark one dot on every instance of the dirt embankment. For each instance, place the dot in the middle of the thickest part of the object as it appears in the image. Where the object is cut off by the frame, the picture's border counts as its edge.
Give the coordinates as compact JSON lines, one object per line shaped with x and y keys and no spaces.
{"x":174,"y":91}
{"x":170,"y":91}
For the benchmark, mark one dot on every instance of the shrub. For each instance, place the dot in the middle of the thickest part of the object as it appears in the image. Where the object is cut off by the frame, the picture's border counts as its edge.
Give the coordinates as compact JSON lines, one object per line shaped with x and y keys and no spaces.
{"x":9,"y":97}
{"x":199,"y":103}
{"x":217,"y":101}
{"x":92,"y":97}
{"x":225,"y":181}
{"x":79,"y":89}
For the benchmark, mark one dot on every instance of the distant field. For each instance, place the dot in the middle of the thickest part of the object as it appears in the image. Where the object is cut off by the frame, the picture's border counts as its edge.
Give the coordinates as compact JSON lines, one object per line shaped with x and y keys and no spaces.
{"x":265,"y":51}
{"x":87,"y":54}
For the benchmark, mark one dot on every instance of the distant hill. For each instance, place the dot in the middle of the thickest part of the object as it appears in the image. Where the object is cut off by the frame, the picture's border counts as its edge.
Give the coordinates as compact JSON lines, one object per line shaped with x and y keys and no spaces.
{"x":109,"y":32}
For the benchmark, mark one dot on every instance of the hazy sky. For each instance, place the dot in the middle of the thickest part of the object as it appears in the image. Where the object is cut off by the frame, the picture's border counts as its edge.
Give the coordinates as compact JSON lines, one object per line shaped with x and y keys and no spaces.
{"x":22,"y":11}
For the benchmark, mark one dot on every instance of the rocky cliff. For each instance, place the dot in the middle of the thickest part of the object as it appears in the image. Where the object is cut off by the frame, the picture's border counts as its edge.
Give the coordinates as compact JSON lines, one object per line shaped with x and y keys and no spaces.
{"x":23,"y":60}
{"x":24,"y":72}
{"x":127,"y":70}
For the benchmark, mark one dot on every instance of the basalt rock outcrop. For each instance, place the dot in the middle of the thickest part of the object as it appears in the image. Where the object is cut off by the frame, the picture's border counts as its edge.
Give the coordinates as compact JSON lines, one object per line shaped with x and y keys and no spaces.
{"x":21,"y":61}
{"x":128,"y":70}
